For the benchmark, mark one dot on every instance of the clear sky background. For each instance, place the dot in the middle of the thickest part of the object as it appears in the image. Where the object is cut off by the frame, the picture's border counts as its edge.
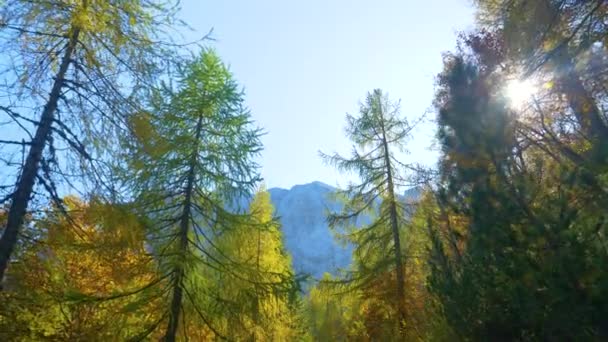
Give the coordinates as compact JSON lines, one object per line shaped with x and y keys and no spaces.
{"x":305,"y":64}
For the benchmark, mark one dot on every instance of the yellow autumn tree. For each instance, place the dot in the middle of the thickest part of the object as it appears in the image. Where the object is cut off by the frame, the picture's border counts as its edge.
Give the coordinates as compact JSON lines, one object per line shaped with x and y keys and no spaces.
{"x":82,"y":278}
{"x":259,"y":293}
{"x":347,"y":310}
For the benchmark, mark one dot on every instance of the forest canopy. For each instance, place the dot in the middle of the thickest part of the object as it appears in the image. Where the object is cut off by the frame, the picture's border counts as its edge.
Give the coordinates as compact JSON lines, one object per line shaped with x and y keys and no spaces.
{"x":132,"y":206}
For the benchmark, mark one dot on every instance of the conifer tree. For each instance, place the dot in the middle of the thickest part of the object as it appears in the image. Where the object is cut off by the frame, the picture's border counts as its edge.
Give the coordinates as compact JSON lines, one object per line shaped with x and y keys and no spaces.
{"x":511,"y":208}
{"x":264,"y":292}
{"x":192,"y":157}
{"x":378,"y":133}
{"x":327,"y":314}
{"x":76,"y":70}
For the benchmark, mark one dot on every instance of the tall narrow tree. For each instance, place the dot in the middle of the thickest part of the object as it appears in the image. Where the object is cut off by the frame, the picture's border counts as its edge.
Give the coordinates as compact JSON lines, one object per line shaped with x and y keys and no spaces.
{"x":378,"y":134}
{"x":81,"y":53}
{"x":260,"y":301}
{"x":192,"y":159}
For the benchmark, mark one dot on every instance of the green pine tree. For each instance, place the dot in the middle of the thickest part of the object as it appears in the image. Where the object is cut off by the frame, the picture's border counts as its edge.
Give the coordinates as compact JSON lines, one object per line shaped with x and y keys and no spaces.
{"x":192,"y":157}
{"x":378,"y":133}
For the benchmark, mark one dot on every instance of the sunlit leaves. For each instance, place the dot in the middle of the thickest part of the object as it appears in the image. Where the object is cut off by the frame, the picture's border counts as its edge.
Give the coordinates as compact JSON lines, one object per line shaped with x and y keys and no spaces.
{"x":515,"y":197}
{"x":263,"y":282}
{"x":191,"y":157}
{"x":62,"y":279}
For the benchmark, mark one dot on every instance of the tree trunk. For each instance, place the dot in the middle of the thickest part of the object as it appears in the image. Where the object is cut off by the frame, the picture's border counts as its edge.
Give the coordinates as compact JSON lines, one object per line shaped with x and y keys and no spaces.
{"x":256,"y":305}
{"x":178,"y":281}
{"x":25,"y":184}
{"x":395,"y":230}
{"x":176,"y":305}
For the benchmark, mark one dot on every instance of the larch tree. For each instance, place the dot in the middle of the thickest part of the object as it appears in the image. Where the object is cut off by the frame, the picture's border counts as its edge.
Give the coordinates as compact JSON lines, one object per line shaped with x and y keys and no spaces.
{"x":378,"y":134}
{"x":69,"y":282}
{"x":260,"y":300}
{"x":331,"y":313}
{"x":75,"y":69}
{"x":191,"y":159}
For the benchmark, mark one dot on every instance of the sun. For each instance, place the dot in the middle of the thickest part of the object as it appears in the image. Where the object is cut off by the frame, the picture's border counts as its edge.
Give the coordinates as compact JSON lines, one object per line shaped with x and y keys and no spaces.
{"x":520,"y":91}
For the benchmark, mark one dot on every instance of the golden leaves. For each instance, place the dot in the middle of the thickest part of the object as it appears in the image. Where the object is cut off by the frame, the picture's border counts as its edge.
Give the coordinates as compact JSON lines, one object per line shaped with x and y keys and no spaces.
{"x":149,"y":140}
{"x":90,"y":254}
{"x":82,"y":20}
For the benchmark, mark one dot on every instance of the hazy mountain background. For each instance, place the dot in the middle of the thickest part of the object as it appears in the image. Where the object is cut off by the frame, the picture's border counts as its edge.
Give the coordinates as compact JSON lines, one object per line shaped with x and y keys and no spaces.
{"x":302,"y":211}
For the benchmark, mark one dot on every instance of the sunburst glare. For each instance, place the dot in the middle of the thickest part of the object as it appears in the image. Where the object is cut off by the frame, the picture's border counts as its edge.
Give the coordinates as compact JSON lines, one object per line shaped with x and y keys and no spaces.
{"x":520,"y":91}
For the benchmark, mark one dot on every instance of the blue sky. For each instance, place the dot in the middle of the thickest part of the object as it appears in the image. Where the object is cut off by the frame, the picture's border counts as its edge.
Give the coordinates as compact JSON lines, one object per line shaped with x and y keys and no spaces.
{"x":305,"y":64}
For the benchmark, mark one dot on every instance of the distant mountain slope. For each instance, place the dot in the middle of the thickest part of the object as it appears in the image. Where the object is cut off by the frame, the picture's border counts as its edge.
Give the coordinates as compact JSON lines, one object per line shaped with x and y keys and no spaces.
{"x":302,"y":211}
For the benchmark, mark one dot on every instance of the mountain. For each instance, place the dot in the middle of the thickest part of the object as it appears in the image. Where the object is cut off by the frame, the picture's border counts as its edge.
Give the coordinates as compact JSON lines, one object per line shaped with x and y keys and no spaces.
{"x":302,"y":211}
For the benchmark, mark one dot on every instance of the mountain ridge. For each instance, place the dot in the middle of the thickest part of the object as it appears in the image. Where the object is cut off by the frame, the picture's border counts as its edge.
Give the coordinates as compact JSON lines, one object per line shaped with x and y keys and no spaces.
{"x":302,"y":211}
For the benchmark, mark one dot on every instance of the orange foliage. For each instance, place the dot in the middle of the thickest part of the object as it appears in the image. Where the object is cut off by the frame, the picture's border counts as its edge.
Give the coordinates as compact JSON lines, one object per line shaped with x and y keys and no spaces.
{"x":75,"y":279}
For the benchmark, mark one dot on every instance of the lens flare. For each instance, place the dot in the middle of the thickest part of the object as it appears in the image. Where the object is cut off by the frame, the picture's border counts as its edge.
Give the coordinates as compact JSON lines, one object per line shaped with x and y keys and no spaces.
{"x":519,"y":91}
